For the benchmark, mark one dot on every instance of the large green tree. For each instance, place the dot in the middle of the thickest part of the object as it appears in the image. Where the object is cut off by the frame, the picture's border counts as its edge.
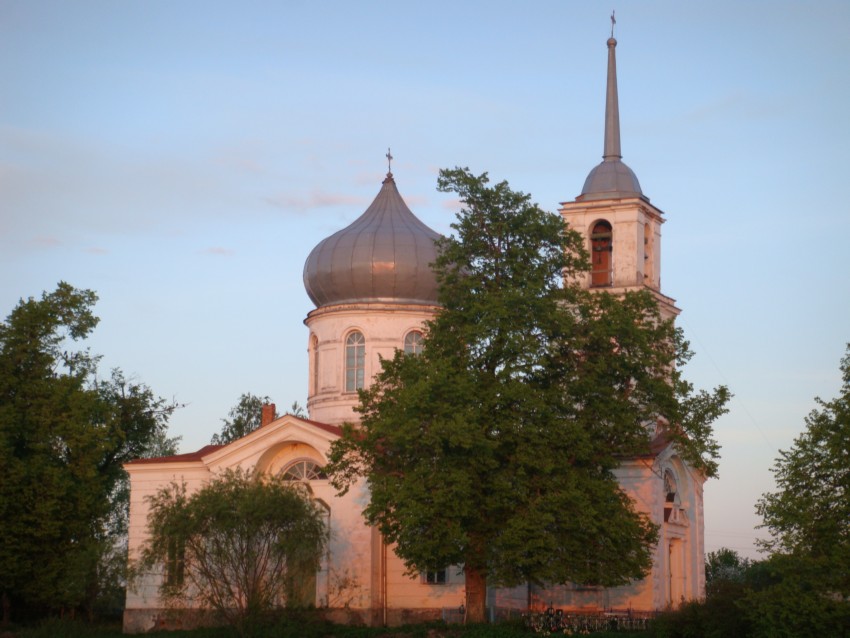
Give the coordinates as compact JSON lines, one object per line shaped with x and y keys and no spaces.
{"x":64,"y":435}
{"x":495,"y":447}
{"x":240,"y":545}
{"x":808,"y":518}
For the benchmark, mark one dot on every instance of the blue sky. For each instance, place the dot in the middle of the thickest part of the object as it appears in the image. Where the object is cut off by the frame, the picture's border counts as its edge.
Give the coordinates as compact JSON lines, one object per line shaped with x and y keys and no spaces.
{"x":182,"y":158}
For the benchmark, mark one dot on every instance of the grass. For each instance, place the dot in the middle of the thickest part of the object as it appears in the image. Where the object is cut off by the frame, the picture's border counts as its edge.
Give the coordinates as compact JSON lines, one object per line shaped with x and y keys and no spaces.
{"x":56,"y":628}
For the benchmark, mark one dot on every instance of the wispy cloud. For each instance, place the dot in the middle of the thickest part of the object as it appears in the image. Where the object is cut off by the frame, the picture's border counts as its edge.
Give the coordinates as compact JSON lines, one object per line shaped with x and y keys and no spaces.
{"x":454,"y":205}
{"x":242,"y":158}
{"x":44,"y":241}
{"x":58,"y":185}
{"x":737,"y":104}
{"x":414,"y":201}
{"x":369,"y":178}
{"x":330,"y":199}
{"x":95,"y":250}
{"x":243,"y":164}
{"x":316,"y":199}
{"x":218,"y":250}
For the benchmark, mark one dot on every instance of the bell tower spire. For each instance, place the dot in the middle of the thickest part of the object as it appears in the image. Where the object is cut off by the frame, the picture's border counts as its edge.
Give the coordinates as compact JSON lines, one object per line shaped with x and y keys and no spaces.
{"x":621,"y":228}
{"x":612,"y":107}
{"x":611,"y":178}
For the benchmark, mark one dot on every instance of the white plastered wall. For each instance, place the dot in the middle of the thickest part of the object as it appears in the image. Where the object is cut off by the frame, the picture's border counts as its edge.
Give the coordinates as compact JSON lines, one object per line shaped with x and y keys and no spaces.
{"x":345,"y":578}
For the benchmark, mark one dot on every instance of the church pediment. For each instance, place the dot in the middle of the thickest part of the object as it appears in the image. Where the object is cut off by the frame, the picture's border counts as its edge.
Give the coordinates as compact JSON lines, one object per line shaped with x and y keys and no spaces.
{"x":257,"y":449}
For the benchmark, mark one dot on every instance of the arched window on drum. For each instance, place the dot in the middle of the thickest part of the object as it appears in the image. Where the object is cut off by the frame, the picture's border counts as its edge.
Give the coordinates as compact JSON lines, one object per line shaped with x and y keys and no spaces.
{"x":355,"y":361}
{"x":413,"y":342}
{"x":601,"y":255}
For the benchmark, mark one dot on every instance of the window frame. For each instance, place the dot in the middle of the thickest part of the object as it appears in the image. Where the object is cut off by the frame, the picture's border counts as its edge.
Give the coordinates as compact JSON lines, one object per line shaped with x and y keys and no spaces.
{"x":412,"y":343}
{"x":315,"y":468}
{"x":435,"y":576}
{"x":354,"y":368}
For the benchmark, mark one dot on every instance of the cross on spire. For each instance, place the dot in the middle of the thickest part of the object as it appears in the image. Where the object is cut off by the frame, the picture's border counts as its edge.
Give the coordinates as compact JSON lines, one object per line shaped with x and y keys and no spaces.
{"x":613,"y":22}
{"x":389,"y":157}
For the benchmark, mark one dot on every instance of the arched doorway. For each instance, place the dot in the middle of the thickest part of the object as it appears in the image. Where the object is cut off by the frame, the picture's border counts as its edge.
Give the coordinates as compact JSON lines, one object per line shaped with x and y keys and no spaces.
{"x":601,"y":257}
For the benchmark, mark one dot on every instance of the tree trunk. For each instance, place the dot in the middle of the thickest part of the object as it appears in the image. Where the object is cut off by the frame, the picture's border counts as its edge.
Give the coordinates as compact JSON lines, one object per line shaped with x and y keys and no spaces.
{"x":7,"y":609}
{"x":476,"y":595}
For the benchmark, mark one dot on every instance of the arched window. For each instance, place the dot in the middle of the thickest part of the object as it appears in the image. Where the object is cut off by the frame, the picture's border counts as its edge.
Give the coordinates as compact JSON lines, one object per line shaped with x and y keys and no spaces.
{"x":303,"y":470}
{"x":413,"y":342}
{"x":671,"y":497}
{"x":669,"y":486}
{"x":355,"y":361}
{"x":601,"y":269}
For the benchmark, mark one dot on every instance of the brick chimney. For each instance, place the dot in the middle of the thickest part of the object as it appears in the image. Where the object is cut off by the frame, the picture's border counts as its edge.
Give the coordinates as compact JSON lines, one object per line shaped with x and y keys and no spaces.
{"x":268,"y":414}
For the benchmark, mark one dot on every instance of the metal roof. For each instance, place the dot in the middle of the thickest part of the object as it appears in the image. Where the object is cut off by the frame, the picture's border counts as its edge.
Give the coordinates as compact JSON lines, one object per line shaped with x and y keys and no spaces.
{"x":611,"y":179}
{"x":384,"y":255}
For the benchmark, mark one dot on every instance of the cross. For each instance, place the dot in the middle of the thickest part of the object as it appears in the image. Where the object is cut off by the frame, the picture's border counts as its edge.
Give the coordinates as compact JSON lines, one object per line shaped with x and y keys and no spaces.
{"x":389,"y":161}
{"x":613,"y":22}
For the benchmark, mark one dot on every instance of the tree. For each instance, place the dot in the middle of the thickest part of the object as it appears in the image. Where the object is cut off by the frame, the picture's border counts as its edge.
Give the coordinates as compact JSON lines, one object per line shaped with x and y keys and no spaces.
{"x":296,"y":409}
{"x":808,"y":517}
{"x":495,"y":447}
{"x":236,"y":546}
{"x":245,"y":417}
{"x":64,"y":435}
{"x":723,"y":566}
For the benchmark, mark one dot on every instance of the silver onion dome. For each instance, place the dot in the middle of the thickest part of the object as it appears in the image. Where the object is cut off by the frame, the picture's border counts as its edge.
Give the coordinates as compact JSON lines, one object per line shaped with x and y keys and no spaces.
{"x":384,"y":255}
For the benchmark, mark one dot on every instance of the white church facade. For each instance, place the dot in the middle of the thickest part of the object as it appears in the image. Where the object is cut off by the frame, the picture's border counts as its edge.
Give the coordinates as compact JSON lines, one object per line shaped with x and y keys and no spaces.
{"x":373,"y":289}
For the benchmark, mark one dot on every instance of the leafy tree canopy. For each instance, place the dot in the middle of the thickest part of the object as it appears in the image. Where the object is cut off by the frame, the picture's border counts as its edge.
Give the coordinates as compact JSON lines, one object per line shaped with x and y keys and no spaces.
{"x":64,"y":434}
{"x":725,"y":564}
{"x":239,"y":545}
{"x":244,"y":418}
{"x":495,"y":447}
{"x":809,"y":514}
{"x":790,"y":597}
{"x":808,"y":518}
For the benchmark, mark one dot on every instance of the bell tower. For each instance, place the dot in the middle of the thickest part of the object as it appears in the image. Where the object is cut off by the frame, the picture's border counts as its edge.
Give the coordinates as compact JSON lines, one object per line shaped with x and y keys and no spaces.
{"x":622,"y":230}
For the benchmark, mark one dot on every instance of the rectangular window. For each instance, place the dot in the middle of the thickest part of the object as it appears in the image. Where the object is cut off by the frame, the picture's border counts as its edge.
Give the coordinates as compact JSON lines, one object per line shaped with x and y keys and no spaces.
{"x":174,"y":563}
{"x":436,"y":577}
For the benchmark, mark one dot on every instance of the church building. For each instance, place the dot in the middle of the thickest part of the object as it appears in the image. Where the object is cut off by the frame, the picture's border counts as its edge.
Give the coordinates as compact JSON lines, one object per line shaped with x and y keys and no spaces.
{"x":373,"y":289}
